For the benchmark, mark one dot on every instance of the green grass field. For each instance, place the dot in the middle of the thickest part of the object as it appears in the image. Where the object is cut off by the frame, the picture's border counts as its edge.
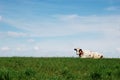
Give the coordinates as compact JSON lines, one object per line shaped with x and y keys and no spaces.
{"x":22,"y":68}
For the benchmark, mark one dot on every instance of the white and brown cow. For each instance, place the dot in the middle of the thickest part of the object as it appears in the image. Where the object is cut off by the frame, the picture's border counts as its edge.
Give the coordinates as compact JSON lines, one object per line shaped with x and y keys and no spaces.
{"x":87,"y":53}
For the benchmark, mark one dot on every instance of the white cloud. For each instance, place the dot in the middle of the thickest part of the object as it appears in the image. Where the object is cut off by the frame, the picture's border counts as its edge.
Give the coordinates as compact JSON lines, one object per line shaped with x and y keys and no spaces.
{"x":22,"y":49}
{"x":19,"y":49}
{"x":118,"y":49}
{"x":0,"y":18}
{"x":5,"y":48}
{"x":67,"y":25}
{"x":16,"y":34}
{"x":67,"y":17}
{"x":37,"y":48}
{"x":113,"y":8}
{"x":62,"y":25}
{"x":31,"y":40}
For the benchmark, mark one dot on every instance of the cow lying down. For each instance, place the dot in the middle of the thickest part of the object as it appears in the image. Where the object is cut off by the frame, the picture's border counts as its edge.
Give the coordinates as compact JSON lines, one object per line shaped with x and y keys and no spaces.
{"x":87,"y":53}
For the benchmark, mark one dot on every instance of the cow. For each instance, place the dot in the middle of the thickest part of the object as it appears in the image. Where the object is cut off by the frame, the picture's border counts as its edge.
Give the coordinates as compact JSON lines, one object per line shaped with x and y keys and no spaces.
{"x":88,"y":54}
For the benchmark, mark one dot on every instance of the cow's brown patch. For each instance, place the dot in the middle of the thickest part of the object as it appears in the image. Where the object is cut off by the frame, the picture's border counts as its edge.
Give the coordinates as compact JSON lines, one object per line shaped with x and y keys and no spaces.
{"x":80,"y":52}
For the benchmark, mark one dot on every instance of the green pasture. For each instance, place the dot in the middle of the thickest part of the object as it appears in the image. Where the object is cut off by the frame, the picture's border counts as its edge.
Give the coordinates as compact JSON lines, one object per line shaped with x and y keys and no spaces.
{"x":29,"y":68}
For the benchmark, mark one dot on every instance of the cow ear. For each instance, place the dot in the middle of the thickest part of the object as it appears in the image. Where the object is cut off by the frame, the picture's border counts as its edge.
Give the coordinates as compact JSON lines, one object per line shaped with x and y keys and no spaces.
{"x":75,"y":49}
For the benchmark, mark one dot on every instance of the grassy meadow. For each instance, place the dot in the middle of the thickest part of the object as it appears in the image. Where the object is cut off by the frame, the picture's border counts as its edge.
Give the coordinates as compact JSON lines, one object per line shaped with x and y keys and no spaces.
{"x":28,"y":68}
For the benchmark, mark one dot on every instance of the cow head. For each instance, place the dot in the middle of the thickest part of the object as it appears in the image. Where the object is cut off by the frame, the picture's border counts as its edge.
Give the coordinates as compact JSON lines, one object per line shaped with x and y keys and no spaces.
{"x":79,"y":51}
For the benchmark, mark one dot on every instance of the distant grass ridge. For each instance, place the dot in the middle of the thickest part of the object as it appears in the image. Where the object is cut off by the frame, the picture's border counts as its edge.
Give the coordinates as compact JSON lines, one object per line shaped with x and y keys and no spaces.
{"x":29,"y":68}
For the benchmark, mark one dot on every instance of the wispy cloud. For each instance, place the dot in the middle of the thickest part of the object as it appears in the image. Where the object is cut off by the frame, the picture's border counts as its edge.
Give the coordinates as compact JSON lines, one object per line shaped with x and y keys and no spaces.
{"x":19,"y":49}
{"x":31,"y":40}
{"x":113,"y":8}
{"x":118,"y":49}
{"x":0,"y":18}
{"x":16,"y":34}
{"x":55,"y":27}
{"x":5,"y":48}
{"x":62,"y":25}
{"x":67,"y":17}
{"x":36,"y":48}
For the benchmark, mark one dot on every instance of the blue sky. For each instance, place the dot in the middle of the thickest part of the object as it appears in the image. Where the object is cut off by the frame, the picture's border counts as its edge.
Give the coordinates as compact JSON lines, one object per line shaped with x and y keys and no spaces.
{"x":47,"y":28}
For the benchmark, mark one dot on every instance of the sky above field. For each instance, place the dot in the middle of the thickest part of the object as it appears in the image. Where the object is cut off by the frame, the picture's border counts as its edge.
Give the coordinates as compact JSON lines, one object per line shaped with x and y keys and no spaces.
{"x":45,"y":28}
